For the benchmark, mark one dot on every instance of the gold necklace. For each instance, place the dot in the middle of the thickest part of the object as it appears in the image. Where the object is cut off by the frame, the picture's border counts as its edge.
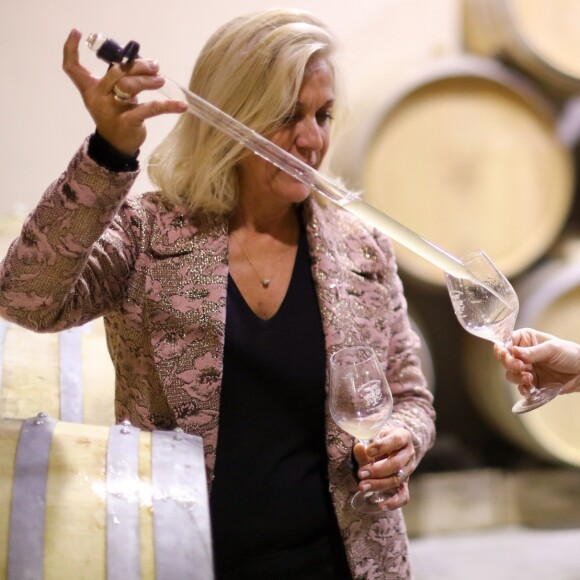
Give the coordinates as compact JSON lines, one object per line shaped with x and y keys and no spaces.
{"x":265,"y":282}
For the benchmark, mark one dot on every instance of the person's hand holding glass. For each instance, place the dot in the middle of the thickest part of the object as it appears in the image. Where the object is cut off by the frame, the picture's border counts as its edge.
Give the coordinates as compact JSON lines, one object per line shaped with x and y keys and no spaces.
{"x":537,"y":358}
{"x":361,"y":403}
{"x":487,"y":305}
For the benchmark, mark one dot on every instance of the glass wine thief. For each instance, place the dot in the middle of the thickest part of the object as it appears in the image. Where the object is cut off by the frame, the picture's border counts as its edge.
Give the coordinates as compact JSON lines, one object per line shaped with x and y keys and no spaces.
{"x":110,"y":51}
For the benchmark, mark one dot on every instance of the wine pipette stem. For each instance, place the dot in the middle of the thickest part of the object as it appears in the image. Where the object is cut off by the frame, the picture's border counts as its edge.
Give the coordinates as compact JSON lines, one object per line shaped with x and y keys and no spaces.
{"x":315,"y":180}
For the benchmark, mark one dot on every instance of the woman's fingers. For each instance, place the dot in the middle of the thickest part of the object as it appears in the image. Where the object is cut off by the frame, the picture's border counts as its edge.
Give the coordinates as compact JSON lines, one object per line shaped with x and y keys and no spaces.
{"x":398,"y":498}
{"x":137,"y":114}
{"x":143,"y":75}
{"x":389,"y":471}
{"x":386,"y":474}
{"x":395,"y":498}
{"x":71,"y":65}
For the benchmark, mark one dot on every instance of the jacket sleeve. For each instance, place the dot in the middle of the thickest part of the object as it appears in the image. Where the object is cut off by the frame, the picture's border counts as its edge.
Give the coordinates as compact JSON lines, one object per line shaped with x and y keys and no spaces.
{"x":74,"y":253}
{"x":413,"y":401}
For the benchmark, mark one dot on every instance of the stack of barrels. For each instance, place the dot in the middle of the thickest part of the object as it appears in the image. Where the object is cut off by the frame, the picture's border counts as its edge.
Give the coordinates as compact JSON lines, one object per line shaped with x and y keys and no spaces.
{"x":82,"y":497}
{"x":478,"y":151}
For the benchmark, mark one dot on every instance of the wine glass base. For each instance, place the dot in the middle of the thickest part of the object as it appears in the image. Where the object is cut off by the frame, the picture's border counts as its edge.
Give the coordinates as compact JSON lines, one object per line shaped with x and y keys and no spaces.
{"x":362,"y":502}
{"x":537,"y":399}
{"x":367,"y":502}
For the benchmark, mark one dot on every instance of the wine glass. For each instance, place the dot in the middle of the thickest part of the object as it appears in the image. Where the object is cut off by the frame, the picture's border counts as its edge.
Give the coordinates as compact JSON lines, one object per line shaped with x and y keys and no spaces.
{"x":486,"y":305}
{"x":360,"y":403}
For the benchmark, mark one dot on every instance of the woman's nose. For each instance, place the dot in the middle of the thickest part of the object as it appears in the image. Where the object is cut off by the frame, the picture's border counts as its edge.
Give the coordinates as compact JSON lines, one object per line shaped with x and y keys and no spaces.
{"x":310,"y":135}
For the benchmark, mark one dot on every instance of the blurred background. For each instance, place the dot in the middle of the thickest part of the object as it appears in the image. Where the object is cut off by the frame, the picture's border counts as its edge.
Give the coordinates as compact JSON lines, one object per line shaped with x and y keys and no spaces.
{"x":464,"y":124}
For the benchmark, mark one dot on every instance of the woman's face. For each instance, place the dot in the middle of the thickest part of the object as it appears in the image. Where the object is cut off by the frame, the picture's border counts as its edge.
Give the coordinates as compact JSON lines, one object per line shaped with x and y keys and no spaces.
{"x":305,"y":135}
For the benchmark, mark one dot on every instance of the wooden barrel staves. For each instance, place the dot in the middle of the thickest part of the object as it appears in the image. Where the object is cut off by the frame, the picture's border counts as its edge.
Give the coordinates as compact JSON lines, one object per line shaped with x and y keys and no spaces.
{"x":467,"y":155}
{"x":81,"y":501}
{"x":67,"y":374}
{"x":549,"y":301}
{"x":541,"y":37}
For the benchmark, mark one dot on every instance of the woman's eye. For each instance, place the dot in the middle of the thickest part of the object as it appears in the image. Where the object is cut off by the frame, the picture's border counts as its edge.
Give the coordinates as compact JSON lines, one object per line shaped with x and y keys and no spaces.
{"x":290,"y":120}
{"x":324,"y":117}
{"x":293,"y":119}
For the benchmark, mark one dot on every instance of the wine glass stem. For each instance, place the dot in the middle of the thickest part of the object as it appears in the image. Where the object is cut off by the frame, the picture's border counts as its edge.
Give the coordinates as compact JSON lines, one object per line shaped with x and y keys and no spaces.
{"x":507,"y":343}
{"x":372,"y":496}
{"x":533,"y":390}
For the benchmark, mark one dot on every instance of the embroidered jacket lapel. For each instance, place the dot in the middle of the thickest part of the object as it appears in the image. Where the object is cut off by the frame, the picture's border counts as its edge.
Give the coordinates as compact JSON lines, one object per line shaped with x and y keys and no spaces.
{"x":188,"y":282}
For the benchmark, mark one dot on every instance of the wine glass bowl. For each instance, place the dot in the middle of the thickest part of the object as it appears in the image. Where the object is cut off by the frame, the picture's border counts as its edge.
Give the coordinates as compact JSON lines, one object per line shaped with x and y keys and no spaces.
{"x":360,"y":403}
{"x":486,"y":305}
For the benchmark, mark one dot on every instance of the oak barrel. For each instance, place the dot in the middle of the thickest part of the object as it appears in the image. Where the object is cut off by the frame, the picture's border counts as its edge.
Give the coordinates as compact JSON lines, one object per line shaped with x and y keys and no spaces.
{"x":542,"y":37}
{"x":68,"y":374}
{"x":465,"y":154}
{"x":84,"y":501}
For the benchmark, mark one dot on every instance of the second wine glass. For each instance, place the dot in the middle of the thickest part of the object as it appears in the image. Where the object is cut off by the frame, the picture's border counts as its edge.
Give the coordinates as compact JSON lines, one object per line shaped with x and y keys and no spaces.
{"x":487,"y":305}
{"x":360,"y":403}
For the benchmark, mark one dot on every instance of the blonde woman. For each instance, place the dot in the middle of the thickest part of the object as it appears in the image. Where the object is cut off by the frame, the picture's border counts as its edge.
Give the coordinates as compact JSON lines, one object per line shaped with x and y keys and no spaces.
{"x":225,"y":292}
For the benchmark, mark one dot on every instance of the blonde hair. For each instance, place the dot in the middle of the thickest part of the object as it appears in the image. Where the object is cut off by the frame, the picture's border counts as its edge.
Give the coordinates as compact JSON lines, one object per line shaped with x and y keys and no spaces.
{"x":251,"y":68}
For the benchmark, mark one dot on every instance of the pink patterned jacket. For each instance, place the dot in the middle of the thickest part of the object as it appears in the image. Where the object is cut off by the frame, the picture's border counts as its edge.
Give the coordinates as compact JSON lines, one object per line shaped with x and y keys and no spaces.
{"x":158,"y":276}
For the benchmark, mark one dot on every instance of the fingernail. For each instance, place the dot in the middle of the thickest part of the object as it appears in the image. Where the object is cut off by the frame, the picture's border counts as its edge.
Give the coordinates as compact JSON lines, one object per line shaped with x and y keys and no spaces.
{"x":366,"y":486}
{"x":153,"y":64}
{"x":364,"y":474}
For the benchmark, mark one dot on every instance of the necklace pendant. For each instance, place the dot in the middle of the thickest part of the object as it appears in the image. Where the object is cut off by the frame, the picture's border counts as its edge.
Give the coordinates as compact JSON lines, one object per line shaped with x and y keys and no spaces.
{"x":265,"y":282}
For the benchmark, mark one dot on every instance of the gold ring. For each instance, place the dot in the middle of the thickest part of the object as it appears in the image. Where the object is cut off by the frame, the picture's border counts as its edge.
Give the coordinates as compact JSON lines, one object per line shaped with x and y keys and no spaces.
{"x":120,"y":95}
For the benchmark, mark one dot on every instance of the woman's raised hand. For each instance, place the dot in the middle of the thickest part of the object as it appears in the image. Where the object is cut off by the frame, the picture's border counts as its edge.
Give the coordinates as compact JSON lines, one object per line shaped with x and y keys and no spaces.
{"x":112,"y":100}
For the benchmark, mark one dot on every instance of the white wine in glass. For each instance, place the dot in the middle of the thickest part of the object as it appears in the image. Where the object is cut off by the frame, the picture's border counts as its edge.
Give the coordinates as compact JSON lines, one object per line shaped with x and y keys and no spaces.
{"x":486,"y":305}
{"x":360,"y":403}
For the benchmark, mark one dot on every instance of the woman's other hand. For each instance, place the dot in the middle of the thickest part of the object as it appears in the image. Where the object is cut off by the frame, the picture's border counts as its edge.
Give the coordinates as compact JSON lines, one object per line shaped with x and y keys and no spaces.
{"x":387,"y":464}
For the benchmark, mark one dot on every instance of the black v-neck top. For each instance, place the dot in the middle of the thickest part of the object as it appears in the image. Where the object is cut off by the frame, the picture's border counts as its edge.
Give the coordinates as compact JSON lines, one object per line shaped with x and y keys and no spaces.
{"x":271,"y":510}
